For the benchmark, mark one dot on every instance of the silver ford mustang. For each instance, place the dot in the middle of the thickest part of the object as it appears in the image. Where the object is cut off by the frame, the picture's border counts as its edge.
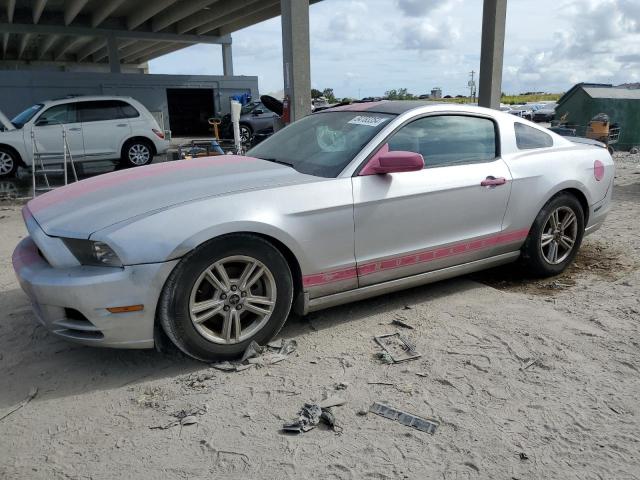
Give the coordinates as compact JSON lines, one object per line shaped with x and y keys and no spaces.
{"x":342,"y":205}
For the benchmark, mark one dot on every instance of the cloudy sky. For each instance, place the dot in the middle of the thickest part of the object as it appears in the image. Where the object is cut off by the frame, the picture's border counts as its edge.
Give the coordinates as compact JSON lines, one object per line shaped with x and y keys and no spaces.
{"x":365,"y":47}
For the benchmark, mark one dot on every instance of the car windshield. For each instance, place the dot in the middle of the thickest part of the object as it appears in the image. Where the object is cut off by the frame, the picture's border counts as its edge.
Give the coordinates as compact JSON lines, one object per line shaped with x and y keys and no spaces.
{"x":248,"y":107}
{"x":322,"y":144}
{"x":19,"y":120}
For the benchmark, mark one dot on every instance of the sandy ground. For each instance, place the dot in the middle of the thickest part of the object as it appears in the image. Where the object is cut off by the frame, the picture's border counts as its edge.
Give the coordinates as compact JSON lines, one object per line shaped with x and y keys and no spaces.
{"x":528,"y":379}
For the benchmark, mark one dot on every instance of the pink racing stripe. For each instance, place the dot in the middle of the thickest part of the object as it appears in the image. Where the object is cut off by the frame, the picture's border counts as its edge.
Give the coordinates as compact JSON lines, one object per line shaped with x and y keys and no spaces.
{"x":414,"y":258}
{"x":329,"y":277}
{"x":108,"y":180}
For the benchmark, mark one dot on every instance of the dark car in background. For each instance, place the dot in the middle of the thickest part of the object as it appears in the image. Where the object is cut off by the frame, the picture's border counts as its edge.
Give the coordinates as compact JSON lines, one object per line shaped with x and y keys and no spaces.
{"x":545,"y":114}
{"x":254,"y":117}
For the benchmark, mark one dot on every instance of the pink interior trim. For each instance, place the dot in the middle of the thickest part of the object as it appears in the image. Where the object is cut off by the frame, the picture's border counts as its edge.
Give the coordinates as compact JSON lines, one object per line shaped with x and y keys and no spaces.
{"x":598,"y":170}
{"x":370,"y":167}
{"x":414,"y":258}
{"x":108,"y":180}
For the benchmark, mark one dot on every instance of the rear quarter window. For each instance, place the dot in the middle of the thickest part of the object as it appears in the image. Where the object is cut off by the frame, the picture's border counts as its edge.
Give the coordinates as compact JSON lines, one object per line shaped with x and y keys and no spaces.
{"x":528,"y":138}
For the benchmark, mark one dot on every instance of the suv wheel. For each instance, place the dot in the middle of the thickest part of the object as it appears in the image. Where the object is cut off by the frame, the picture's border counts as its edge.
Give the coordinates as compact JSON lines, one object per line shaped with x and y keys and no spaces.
{"x":224,"y":295}
{"x":245,"y":133}
{"x":137,"y":153}
{"x":8,"y":163}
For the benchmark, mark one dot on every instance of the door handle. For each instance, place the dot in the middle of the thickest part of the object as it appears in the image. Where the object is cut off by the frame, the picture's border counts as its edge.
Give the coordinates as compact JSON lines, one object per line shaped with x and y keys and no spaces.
{"x":122,"y":125}
{"x":76,"y":129}
{"x":493,"y":181}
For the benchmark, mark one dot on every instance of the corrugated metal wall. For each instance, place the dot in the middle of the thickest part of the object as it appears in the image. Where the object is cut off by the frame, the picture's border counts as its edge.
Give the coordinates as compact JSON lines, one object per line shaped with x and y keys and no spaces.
{"x":580,"y":108}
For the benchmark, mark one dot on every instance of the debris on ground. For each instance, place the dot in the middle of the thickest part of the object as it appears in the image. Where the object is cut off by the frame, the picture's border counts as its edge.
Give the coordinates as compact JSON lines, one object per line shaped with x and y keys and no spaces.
{"x":259,"y":355}
{"x":31,"y":395}
{"x":401,"y":323}
{"x":384,"y":357}
{"x":342,"y":385}
{"x":397,"y":347}
{"x":523,"y":456}
{"x":408,"y":419}
{"x":183,"y":418}
{"x":312,"y":414}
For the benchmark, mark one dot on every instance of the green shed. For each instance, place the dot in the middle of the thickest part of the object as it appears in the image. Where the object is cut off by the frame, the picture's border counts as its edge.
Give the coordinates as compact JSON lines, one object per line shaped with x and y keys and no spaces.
{"x":585,"y":100}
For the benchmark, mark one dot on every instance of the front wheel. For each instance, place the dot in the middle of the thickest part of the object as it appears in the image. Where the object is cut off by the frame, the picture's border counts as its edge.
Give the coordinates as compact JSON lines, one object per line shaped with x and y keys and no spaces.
{"x":555,"y":237}
{"x":246,"y":134}
{"x":8,"y":163}
{"x":225,"y":294}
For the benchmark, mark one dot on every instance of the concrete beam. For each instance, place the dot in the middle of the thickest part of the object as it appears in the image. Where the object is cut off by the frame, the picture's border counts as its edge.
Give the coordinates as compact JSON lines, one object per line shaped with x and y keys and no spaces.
{"x":296,"y":56}
{"x":201,"y":18}
{"x":11,"y":10}
{"x":90,"y":48}
{"x":179,"y":11}
{"x":103,"y":53}
{"x":114,"y":55}
{"x":46,"y":45}
{"x":38,"y":8}
{"x":67,"y":46}
{"x":273,"y":6}
{"x":24,"y":41}
{"x":227,"y":60}
{"x":107,"y":7}
{"x":249,"y":20}
{"x":159,"y":53}
{"x":82,"y":31}
{"x":146,"y":10}
{"x":494,"y":14}
{"x":133,"y":51}
{"x":74,"y":7}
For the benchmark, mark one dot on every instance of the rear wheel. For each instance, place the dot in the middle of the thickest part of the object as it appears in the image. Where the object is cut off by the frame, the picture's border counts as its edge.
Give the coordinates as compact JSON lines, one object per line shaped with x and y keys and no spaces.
{"x":137,"y":153}
{"x":8,"y":163}
{"x":225,"y":294}
{"x":555,"y":237}
{"x":246,"y":133}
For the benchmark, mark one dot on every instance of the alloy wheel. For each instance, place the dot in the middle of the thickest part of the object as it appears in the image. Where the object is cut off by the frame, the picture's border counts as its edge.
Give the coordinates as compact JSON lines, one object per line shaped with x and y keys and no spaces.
{"x":6,"y":163}
{"x":245,"y":134}
{"x":139,"y":154}
{"x":232,"y":299}
{"x":559,"y":235}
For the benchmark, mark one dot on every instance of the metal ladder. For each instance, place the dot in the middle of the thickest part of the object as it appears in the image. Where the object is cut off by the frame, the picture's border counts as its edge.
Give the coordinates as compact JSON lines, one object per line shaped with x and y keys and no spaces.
{"x":38,"y":168}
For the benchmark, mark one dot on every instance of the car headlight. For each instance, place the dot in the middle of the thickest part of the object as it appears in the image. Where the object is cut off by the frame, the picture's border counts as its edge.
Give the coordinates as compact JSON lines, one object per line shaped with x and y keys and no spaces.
{"x":89,"y":252}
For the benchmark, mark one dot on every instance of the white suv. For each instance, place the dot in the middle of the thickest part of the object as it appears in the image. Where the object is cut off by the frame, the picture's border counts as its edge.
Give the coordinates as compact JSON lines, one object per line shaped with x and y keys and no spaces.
{"x":97,"y":128}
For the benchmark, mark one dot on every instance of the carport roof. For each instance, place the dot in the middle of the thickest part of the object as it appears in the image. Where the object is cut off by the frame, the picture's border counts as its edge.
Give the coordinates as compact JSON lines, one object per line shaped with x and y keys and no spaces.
{"x":78,"y":30}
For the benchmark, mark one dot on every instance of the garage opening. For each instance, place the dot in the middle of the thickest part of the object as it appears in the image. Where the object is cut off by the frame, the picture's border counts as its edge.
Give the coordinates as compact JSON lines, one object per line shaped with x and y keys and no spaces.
{"x":190,"y":110}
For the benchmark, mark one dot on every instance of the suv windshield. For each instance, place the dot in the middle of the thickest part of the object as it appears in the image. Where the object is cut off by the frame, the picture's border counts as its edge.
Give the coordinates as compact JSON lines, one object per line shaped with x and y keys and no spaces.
{"x":19,"y":120}
{"x":322,"y":144}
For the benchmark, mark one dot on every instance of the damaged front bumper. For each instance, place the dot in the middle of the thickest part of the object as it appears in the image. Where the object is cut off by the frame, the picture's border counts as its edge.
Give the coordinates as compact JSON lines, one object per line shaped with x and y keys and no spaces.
{"x":72,"y":302}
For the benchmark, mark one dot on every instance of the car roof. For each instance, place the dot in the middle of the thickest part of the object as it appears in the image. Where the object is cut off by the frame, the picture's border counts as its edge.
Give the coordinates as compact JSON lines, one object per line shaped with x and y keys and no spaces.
{"x":398,"y":107}
{"x":84,"y":98}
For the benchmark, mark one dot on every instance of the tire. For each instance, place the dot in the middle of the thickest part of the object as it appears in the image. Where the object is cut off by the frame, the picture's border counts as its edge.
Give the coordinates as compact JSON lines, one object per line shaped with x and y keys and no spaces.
{"x":196,"y":280}
{"x":8,"y":163}
{"x":538,"y":251}
{"x":136,"y":153}
{"x":246,"y":133}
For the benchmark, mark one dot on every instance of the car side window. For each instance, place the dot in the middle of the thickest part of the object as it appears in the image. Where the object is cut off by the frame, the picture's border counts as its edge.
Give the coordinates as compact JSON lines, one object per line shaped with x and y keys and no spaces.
{"x":97,"y":111}
{"x":528,"y":138}
{"x":57,"y":115}
{"x":448,"y":140}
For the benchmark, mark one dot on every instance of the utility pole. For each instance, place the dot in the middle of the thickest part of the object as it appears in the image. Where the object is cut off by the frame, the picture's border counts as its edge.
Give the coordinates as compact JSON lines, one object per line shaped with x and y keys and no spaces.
{"x":472,"y":87}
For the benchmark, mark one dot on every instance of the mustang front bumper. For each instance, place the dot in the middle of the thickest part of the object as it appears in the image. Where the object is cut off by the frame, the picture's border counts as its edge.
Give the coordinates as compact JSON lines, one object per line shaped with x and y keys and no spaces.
{"x":72,"y":302}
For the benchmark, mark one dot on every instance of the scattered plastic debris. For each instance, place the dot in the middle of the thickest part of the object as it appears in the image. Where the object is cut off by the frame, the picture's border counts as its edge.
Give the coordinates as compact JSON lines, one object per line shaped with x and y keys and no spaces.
{"x":183,"y":418}
{"x":397,"y":347}
{"x":384,"y":357}
{"x":312,"y":414}
{"x":258,"y":355}
{"x":408,"y":419}
{"x":31,"y":395}
{"x":401,"y":323}
{"x":523,"y":456}
{"x":342,"y":386}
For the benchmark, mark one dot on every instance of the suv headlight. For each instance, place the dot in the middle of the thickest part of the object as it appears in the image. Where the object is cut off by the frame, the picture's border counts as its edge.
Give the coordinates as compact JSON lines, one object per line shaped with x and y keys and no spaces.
{"x":89,"y":252}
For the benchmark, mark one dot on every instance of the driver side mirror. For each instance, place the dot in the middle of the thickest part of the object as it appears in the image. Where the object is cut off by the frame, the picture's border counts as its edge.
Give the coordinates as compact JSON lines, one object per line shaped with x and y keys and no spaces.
{"x":393,"y":162}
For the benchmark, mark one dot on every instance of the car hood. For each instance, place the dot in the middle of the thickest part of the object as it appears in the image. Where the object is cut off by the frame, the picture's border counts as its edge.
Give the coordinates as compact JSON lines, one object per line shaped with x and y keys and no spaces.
{"x":5,"y":123}
{"x":82,"y":208}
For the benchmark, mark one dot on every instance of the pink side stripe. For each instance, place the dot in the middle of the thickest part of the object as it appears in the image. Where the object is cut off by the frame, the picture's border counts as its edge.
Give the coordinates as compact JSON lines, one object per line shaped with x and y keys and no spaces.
{"x":413,"y":259}
{"x":102,"y":182}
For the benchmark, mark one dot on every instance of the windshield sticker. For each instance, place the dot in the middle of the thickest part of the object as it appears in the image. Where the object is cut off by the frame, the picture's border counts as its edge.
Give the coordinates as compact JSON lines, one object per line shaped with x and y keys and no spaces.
{"x":368,"y":121}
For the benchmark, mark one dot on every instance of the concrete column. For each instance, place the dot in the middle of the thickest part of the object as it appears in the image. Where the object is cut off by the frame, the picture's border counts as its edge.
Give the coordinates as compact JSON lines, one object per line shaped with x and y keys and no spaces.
{"x":296,"y":53}
{"x":494,"y":15}
{"x":114,"y":55}
{"x":227,"y":60}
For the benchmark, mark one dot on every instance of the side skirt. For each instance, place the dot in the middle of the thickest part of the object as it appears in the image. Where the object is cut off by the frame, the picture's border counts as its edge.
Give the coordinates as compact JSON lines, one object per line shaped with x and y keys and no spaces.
{"x":312,"y":305}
